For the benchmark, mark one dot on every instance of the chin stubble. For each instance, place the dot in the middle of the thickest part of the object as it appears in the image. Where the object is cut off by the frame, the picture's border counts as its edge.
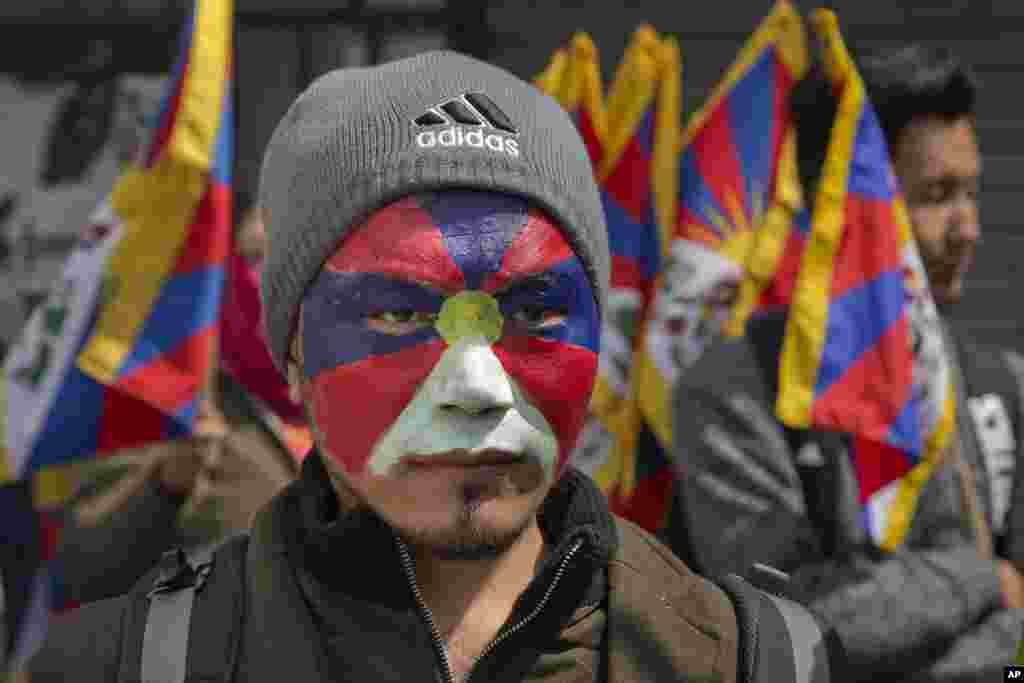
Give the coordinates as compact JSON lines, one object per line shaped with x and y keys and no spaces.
{"x":469,"y":541}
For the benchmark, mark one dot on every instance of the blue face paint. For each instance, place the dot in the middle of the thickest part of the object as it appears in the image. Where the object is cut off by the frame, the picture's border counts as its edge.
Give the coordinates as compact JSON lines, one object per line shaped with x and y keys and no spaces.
{"x":335,"y":311}
{"x":477,"y":229}
{"x":563,"y":289}
{"x":403,"y":266}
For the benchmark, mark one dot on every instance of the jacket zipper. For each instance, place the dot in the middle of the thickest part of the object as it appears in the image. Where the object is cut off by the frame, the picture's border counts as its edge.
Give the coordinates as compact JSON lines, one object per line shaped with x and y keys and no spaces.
{"x":519,"y":625}
{"x":435,"y":634}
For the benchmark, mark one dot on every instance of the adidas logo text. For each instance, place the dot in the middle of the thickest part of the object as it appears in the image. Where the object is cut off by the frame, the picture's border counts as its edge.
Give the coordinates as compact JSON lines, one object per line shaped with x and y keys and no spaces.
{"x":455,"y":136}
{"x":470,"y":120}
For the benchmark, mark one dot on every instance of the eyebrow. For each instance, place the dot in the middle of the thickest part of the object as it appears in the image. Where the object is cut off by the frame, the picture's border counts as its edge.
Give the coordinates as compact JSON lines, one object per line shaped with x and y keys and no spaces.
{"x":413,"y":274}
{"x":951,"y":179}
{"x":534,"y":281}
{"x":432,"y":286}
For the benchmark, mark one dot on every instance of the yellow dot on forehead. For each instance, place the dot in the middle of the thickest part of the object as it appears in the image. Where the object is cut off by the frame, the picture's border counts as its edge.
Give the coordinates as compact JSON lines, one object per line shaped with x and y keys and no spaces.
{"x":470,"y":313}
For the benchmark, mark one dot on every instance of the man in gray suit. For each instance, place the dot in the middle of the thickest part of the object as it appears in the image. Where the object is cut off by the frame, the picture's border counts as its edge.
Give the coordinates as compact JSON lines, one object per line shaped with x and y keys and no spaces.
{"x":942,"y":607}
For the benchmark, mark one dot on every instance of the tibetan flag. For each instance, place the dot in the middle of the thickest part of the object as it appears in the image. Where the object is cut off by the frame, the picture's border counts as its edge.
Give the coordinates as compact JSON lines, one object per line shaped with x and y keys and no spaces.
{"x":860,"y":312}
{"x":728,"y":178}
{"x":626,"y":172}
{"x":153,"y":336}
{"x":116,"y":355}
{"x":549,"y":81}
{"x":643,"y":114}
{"x":573,"y":77}
{"x":581,"y":93}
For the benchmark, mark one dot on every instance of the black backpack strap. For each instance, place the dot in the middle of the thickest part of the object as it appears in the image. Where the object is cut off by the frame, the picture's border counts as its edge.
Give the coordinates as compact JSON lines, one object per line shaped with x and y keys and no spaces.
{"x":779,"y":640}
{"x":162,"y":642}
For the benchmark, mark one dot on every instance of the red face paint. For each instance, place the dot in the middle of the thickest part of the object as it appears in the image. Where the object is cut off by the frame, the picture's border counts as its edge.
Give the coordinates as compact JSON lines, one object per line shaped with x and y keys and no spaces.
{"x":399,"y":267}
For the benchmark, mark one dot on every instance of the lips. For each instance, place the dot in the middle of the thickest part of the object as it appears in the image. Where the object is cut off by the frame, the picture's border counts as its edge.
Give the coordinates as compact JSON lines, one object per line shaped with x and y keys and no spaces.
{"x":487,"y":458}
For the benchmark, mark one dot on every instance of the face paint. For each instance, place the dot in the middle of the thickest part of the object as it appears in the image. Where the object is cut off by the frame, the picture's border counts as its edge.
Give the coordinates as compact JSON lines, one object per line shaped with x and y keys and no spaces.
{"x":453,"y":322}
{"x":698,"y":288}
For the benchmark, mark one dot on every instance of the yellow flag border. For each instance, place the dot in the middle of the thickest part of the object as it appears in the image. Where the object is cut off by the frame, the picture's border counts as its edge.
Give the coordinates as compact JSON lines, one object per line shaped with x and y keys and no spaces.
{"x":582,"y":87}
{"x":631,"y":92}
{"x":782,"y":28}
{"x":667,"y":136}
{"x":806,"y":324}
{"x":157,"y":204}
{"x":901,"y":512}
{"x":549,"y":80}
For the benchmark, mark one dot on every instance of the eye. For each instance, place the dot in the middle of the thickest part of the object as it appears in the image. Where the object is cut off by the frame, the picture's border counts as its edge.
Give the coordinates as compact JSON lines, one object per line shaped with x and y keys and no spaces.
{"x":723,"y":295}
{"x":536,"y":317}
{"x":400,"y":322}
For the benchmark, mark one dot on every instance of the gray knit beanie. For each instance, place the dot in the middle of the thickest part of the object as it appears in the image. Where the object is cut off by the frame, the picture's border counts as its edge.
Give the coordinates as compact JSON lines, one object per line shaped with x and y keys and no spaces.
{"x":359,"y":139}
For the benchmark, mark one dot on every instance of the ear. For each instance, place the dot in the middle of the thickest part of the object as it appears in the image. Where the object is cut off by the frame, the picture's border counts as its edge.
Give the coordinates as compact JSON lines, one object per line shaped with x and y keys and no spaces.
{"x":294,"y":382}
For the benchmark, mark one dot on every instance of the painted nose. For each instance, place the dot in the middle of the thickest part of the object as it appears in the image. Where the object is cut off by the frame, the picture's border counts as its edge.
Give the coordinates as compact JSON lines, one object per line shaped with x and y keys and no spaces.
{"x":473,"y":380}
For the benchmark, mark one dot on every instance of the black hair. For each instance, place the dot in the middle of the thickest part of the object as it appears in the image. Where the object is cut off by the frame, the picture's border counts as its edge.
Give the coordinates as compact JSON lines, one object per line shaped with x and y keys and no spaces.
{"x":902,"y":84}
{"x":914,"y":81}
{"x":813,"y":106}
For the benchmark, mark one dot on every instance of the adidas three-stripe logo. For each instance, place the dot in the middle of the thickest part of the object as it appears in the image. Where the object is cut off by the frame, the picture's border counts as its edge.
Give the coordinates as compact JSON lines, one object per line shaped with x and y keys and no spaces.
{"x":470,"y":120}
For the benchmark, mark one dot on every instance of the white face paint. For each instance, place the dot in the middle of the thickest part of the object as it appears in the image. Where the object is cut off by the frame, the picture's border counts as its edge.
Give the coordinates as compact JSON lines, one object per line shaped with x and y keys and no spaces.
{"x":686,"y":316}
{"x":593,"y":450}
{"x":931,"y":373}
{"x":617,"y":335}
{"x":467,"y":405}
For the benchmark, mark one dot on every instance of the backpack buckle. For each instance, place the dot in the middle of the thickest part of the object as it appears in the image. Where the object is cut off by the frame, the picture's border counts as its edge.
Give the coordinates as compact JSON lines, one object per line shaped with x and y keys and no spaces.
{"x":177,"y":573}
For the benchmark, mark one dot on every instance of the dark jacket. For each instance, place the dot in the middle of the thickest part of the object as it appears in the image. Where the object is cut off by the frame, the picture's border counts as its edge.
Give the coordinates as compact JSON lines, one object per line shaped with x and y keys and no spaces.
{"x":931,"y":611}
{"x":328,"y":598}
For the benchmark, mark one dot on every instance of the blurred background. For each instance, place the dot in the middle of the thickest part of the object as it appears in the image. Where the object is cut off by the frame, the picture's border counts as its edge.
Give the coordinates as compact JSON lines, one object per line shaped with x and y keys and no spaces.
{"x":76,"y":76}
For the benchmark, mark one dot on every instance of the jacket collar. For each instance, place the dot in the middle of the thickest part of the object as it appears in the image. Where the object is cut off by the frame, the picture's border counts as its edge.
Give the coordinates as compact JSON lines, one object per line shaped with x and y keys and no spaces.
{"x":333,"y":573}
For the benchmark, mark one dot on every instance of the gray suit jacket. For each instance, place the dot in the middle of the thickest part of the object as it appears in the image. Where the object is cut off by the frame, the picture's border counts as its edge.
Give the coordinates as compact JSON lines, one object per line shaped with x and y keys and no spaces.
{"x":752,"y":492}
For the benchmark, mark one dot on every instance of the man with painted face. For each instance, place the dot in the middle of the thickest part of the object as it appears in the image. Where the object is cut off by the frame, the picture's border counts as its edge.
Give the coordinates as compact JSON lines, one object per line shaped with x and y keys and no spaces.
{"x":436,"y":270}
{"x":945,"y":605}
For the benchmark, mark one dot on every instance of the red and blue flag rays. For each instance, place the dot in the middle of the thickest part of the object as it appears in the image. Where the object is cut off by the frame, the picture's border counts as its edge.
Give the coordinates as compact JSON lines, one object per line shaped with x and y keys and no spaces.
{"x":627,"y":197}
{"x":180,"y":329}
{"x":175,"y":337}
{"x":735,"y":187}
{"x":867,"y":336}
{"x":152,"y":340}
{"x":848,"y":363}
{"x":643,"y":118}
{"x":406,"y":260}
{"x":627,"y":170}
{"x":728,"y":168}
